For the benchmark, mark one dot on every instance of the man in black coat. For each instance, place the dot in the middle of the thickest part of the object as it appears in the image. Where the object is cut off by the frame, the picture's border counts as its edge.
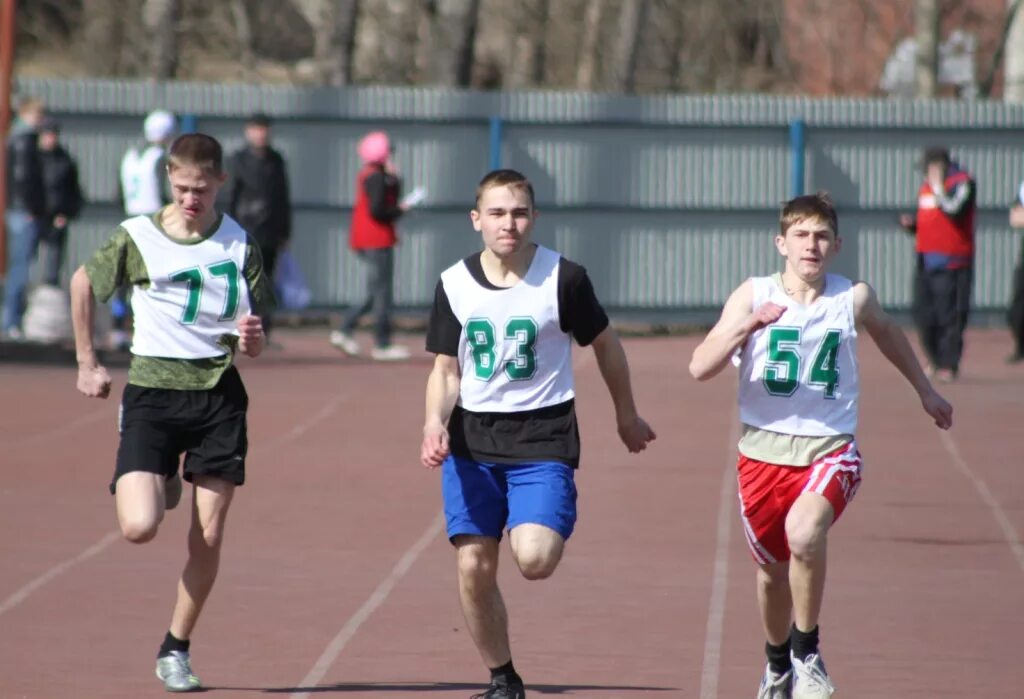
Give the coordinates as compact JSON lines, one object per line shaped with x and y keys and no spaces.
{"x":26,"y":207}
{"x":63,"y":200}
{"x":258,"y":196}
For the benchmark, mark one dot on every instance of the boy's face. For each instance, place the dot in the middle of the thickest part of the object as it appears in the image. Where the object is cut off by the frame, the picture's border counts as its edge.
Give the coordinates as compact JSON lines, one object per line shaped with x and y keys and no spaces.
{"x":808,"y":246}
{"x":505,"y":217}
{"x":194,"y":190}
{"x":257,"y":135}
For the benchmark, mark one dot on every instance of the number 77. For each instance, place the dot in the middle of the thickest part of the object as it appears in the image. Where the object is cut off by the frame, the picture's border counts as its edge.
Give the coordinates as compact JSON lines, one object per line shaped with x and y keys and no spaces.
{"x":193,"y":278}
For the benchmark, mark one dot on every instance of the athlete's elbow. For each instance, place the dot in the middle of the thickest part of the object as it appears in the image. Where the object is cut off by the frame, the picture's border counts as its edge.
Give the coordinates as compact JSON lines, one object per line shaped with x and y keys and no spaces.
{"x":700,"y":370}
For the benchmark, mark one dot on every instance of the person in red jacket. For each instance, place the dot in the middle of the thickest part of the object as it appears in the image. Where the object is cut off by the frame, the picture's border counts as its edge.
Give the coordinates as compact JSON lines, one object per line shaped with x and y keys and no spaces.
{"x":373,"y":238}
{"x":944,"y":227}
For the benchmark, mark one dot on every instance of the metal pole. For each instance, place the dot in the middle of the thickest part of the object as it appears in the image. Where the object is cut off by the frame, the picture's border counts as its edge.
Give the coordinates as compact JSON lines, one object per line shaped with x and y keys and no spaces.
{"x":797,"y":146}
{"x":6,"y":68}
{"x":495,"y":143}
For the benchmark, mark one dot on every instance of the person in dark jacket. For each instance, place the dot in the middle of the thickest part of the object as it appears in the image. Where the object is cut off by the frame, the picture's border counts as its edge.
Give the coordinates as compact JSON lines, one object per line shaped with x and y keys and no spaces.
{"x":373,"y":237}
{"x":26,"y":208}
{"x":63,"y":200}
{"x":1015,"y":314}
{"x":258,"y":196}
{"x":944,"y":228}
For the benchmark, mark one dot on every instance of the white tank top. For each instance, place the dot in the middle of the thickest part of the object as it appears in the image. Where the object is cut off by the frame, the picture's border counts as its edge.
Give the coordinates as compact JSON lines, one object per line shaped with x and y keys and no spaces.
{"x":798,"y":376}
{"x":513,"y":354}
{"x":140,"y":181}
{"x":196,"y":293}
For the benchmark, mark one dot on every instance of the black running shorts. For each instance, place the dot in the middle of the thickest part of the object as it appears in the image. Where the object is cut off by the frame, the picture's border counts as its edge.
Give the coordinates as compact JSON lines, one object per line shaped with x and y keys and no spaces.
{"x":158,"y":425}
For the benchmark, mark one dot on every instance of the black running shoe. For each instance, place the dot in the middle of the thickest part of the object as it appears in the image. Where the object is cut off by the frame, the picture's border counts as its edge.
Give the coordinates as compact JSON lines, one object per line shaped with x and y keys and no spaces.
{"x":502,"y":691}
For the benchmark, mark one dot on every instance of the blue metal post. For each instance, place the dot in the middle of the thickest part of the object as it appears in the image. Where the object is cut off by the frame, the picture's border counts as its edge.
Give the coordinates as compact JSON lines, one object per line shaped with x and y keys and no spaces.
{"x":797,"y":148}
{"x":495,"y":148}
{"x":188,"y":123}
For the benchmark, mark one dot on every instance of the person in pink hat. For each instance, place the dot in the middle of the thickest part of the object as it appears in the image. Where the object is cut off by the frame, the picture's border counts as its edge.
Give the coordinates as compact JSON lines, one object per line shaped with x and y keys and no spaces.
{"x":373,"y":237}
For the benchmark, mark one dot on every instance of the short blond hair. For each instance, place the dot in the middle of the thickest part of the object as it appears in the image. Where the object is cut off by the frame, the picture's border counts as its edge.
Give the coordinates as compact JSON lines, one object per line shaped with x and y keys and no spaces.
{"x":504,"y":178}
{"x":196,"y":150}
{"x":818,"y":205}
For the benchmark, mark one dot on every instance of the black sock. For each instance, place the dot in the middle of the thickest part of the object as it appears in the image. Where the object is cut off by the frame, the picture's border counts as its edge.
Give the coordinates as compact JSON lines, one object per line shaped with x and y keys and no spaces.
{"x":778,"y":657}
{"x":506,"y":674}
{"x":804,"y":642}
{"x":171,"y":643}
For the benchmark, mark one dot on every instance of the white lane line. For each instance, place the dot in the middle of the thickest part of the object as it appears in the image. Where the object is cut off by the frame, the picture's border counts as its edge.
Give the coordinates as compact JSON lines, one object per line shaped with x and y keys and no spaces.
{"x":1009,"y":531}
{"x":375,"y":600}
{"x":47,"y":435}
{"x":19,"y":596}
{"x":720,"y":576}
{"x":305,"y":426}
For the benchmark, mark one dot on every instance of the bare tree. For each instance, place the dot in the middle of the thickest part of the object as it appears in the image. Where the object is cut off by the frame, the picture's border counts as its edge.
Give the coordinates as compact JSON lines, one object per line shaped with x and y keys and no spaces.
{"x":586,"y":68}
{"x":528,"y":48}
{"x":334,"y":25}
{"x":926,"y":34}
{"x":242,"y":19}
{"x":160,"y":20}
{"x":1012,"y":43}
{"x":632,"y":18}
{"x":101,"y":37}
{"x":459,"y":68}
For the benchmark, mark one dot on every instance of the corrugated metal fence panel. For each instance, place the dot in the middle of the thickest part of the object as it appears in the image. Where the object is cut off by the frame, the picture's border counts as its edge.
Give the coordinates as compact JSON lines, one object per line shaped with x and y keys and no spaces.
{"x":651,"y":167}
{"x":669,"y":201}
{"x":881,"y":168}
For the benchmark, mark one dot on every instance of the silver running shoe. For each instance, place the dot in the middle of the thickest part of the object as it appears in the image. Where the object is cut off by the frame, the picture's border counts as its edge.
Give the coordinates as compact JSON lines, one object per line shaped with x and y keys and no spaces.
{"x":775,"y":686}
{"x":811,"y":680}
{"x":172,"y":491}
{"x":175,"y":670}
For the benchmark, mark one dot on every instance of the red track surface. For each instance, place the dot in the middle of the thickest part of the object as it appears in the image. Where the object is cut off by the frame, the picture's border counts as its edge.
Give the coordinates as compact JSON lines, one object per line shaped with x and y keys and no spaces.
{"x":926,"y":589}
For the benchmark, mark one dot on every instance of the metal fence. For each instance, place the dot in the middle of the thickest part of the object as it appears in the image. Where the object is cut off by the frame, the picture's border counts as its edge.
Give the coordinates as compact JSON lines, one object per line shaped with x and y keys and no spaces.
{"x":670,"y":202}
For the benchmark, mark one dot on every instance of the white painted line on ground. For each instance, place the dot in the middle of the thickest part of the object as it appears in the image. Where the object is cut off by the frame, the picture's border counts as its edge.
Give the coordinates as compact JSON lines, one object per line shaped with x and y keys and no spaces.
{"x":720,"y":576}
{"x":305,"y":426}
{"x":1009,"y":531}
{"x":375,"y":600}
{"x":60,"y":431}
{"x":19,"y":596}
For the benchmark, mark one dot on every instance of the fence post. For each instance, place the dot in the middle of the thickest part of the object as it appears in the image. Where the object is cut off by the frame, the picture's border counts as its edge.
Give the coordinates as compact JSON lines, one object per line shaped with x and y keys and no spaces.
{"x":495,"y":148}
{"x":797,"y":148}
{"x":188,"y":123}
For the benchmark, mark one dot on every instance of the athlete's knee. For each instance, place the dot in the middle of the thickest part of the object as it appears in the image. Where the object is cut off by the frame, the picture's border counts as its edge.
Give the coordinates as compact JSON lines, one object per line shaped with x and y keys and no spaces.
{"x":139,"y":530}
{"x":206,"y":539}
{"x":477,"y":565}
{"x":537,"y":564}
{"x":806,"y":538}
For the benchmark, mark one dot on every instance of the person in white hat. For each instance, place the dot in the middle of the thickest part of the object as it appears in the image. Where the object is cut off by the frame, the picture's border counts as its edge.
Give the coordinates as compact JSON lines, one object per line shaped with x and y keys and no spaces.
{"x":142,"y":189}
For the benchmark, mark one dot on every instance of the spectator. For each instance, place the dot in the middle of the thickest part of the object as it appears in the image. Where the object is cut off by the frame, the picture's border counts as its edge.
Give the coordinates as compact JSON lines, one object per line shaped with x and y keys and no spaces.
{"x":373,"y":237}
{"x":26,"y":207}
{"x":258,"y":196}
{"x":944,"y":227}
{"x":1016,"y":314}
{"x":143,"y":190}
{"x":63,"y":200}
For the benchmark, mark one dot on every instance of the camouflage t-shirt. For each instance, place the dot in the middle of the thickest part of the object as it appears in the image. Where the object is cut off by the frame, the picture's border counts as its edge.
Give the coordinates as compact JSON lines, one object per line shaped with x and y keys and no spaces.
{"x":118,"y":262}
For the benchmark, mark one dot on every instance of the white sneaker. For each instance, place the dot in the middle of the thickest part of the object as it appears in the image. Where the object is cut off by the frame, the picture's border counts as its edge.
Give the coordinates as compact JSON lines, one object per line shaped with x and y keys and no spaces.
{"x":391,"y":353}
{"x":175,"y":671}
{"x":811,"y":680}
{"x":774,"y":686}
{"x":345,"y":342}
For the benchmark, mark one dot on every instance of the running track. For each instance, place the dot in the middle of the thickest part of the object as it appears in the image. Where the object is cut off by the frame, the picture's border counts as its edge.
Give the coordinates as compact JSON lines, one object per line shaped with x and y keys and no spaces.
{"x":337,"y":581}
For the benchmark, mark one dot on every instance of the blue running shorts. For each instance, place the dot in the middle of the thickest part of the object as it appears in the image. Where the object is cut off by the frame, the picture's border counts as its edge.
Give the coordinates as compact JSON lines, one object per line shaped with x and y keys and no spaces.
{"x":483,"y":499}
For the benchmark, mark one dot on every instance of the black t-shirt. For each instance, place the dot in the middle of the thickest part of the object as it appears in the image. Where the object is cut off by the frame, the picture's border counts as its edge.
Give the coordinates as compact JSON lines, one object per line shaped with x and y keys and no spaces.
{"x":545,"y":434}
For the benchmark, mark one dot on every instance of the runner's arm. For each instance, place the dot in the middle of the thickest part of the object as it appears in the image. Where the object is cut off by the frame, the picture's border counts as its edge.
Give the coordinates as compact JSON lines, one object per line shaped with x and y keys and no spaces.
{"x":728,"y":335}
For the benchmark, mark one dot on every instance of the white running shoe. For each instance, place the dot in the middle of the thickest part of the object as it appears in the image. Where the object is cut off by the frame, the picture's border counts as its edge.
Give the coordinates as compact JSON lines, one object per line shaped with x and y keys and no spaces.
{"x":175,"y":671}
{"x":391,"y":353}
{"x":774,"y":686}
{"x":811,"y":680}
{"x":345,"y":342}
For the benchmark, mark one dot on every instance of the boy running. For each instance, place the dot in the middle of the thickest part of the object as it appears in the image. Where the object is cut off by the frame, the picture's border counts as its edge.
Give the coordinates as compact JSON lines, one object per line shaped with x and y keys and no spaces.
{"x":794,"y":336}
{"x":199,"y":288}
{"x":500,"y":415}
